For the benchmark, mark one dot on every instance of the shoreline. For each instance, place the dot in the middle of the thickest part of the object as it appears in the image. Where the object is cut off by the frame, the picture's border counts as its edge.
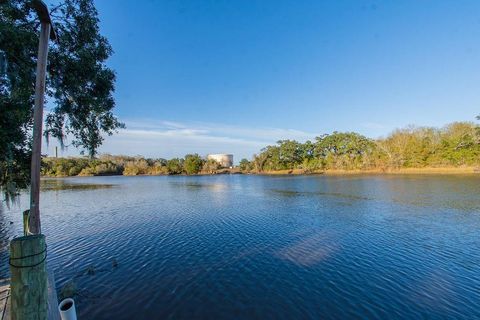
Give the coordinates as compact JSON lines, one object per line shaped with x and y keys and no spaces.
{"x":331,"y":172}
{"x":419,"y":171}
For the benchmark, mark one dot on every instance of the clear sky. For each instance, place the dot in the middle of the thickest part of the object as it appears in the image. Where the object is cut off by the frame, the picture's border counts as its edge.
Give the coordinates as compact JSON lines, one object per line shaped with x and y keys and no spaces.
{"x":213,"y":76}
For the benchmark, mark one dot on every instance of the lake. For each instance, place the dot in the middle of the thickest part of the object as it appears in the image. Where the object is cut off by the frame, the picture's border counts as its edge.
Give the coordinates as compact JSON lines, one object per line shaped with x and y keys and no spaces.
{"x":264,"y":247}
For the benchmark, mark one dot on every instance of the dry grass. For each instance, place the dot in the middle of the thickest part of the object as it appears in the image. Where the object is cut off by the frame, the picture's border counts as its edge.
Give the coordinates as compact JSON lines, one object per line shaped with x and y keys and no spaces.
{"x":429,"y":170}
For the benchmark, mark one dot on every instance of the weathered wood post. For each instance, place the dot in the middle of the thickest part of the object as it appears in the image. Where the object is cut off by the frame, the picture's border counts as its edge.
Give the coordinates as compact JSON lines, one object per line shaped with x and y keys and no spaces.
{"x":29,"y":279}
{"x":45,"y":30}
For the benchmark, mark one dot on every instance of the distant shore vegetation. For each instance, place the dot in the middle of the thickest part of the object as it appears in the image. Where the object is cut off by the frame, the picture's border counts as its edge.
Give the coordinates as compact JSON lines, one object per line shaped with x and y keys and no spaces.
{"x":128,"y":166}
{"x":454,"y":145}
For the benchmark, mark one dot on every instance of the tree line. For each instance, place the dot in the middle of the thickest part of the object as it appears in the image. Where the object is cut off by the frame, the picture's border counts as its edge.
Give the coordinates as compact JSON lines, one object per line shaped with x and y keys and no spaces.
{"x":456,"y":144}
{"x":128,"y":166}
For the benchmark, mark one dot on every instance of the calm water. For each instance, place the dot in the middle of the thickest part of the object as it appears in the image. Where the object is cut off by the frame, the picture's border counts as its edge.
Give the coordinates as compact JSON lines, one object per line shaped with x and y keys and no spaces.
{"x":246,"y":247}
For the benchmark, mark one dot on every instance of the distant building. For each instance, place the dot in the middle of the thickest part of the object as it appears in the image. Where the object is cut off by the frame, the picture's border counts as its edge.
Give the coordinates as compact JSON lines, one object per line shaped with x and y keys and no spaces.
{"x":225,"y":160}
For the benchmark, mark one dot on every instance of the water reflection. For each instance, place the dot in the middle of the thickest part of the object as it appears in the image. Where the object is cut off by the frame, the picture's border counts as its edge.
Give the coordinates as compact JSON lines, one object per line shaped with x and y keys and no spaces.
{"x":217,"y":187}
{"x":61,"y":185}
{"x":310,"y":250}
{"x":295,"y":193}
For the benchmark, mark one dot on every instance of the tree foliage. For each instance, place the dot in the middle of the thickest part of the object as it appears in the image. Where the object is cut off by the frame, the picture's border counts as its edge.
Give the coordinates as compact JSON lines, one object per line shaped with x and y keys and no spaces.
{"x":175,"y":166}
{"x":457,"y":144}
{"x":347,"y":150}
{"x":79,"y":84}
{"x":193,"y":163}
{"x":128,"y":166}
{"x":245,"y":165}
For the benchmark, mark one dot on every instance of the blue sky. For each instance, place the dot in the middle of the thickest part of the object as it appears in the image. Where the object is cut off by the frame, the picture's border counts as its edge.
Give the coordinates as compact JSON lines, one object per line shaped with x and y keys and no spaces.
{"x":213,"y":76}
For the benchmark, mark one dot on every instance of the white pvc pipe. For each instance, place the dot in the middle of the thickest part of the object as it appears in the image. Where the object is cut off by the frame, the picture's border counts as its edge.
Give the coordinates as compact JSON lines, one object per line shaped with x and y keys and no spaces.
{"x":67,"y":309}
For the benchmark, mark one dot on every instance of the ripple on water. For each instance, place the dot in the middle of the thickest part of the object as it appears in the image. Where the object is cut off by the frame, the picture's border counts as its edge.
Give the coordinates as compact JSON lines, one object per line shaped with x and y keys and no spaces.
{"x":263,"y":247}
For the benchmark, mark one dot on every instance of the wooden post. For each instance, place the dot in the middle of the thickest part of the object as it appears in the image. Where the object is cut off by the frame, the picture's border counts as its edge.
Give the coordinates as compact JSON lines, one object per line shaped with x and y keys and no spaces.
{"x":34,"y":222}
{"x":29,"y":281}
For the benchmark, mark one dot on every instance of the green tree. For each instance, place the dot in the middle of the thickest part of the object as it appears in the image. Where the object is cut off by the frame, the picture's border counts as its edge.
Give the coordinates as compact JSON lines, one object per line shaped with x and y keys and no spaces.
{"x":478,"y":130}
{"x":79,"y":84}
{"x":460,"y":143}
{"x":290,"y":153}
{"x":344,"y":150}
{"x":193,"y":163}
{"x":245,"y":165}
{"x":269,"y":159}
{"x":175,"y":166}
{"x":307,"y":150}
